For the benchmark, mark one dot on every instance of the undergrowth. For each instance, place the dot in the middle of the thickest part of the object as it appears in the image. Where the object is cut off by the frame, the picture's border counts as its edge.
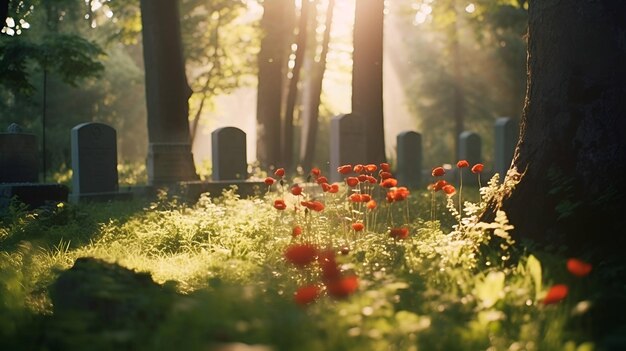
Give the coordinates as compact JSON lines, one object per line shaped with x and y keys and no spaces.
{"x":442,"y":280}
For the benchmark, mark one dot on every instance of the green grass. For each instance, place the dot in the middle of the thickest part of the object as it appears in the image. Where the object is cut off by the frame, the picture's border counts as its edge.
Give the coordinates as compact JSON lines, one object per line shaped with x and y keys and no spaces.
{"x":225,"y":278}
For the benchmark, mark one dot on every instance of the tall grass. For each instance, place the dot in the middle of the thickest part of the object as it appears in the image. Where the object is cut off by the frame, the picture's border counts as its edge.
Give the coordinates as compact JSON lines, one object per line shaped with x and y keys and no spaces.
{"x":451,"y":285}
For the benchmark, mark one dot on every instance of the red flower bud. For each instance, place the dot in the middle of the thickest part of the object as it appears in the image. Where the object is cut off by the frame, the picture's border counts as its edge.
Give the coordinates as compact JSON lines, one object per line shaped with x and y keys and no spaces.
{"x":345,"y":169}
{"x":477,"y":168}
{"x":555,"y":294}
{"x":438,"y":171}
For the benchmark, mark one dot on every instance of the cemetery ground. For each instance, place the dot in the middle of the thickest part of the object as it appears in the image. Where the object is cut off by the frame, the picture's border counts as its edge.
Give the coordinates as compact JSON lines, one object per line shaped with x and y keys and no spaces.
{"x":304,"y":265}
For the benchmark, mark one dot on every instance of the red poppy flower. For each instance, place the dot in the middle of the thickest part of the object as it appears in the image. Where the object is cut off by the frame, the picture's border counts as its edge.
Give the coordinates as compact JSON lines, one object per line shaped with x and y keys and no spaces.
{"x":296,"y":190}
{"x":371,"y":204}
{"x":358,"y":226}
{"x":556,"y":293}
{"x":352,"y":181}
{"x":371,"y":180}
{"x":343,"y":287}
{"x":390,"y":196}
{"x":316,"y":172}
{"x":385,"y":175}
{"x":371,"y":168}
{"x":362,"y":178}
{"x":325,"y":187}
{"x":306,"y":294}
{"x":301,"y":254}
{"x":321,"y":180}
{"x":345,"y":169}
{"x":280,"y":172}
{"x":279,"y":204}
{"x":449,"y":189}
{"x":355,"y":198}
{"x":313,"y":205}
{"x":578,"y":268}
{"x":317,"y":206}
{"x":399,"y":233}
{"x":365,"y":197}
{"x":439,"y":185}
{"x":296,"y":231}
{"x":477,"y":168}
{"x":385,"y":167}
{"x":401,"y":194}
{"x":462,"y":164}
{"x":438,"y":171}
{"x":334,"y":188}
{"x":358,"y":168}
{"x":269,"y":181}
{"x":389,"y":183}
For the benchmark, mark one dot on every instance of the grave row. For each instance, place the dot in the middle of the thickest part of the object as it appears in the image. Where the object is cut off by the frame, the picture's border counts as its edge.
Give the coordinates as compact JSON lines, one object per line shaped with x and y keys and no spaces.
{"x":94,"y":158}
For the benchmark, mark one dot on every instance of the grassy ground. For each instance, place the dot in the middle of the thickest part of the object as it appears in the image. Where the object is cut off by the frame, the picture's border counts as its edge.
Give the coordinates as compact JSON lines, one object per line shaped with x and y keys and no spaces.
{"x":223,"y":276}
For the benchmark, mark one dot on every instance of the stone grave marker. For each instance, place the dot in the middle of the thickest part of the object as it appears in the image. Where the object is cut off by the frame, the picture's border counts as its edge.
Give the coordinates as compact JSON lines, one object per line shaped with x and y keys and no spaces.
{"x":18,"y":156}
{"x":347,"y":143}
{"x":506,"y":135}
{"x":228,"y":154}
{"x":94,"y":159}
{"x":470,"y":147}
{"x":19,"y":172}
{"x":409,"y":153}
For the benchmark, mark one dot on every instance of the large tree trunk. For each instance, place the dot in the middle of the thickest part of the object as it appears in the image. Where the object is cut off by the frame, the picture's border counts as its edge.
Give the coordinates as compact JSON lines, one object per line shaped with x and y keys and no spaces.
{"x":292,"y":92}
{"x":572,"y":147}
{"x":272,"y":67}
{"x":167,"y":94}
{"x":367,"y":75}
{"x":312,"y":96}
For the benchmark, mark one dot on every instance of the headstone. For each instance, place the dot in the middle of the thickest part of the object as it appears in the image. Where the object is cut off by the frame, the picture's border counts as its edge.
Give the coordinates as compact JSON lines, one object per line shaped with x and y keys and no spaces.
{"x":228,"y":154}
{"x":19,"y":172}
{"x":347,"y":143}
{"x":409,"y":153}
{"x":94,"y":159}
{"x":470,"y":147}
{"x":506,"y":136}
{"x":18,"y":156}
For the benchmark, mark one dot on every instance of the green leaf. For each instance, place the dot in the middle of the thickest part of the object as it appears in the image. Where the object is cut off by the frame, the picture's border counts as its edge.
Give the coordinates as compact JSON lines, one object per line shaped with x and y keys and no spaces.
{"x":490,"y":290}
{"x":533,"y":267}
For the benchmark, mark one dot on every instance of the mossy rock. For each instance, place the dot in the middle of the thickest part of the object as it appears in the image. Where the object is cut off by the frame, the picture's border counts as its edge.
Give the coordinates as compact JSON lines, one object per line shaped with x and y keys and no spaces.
{"x":101,"y":305}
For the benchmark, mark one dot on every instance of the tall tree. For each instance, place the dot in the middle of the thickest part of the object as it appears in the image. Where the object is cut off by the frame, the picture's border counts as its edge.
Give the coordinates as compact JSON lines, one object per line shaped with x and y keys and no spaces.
{"x":167,"y":94}
{"x":277,"y":27}
{"x":367,"y":75}
{"x":572,"y":147}
{"x":292,"y":92}
{"x":312,"y":94}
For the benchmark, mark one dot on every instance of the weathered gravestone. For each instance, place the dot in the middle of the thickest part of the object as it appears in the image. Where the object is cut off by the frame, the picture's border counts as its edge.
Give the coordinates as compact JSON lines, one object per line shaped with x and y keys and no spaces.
{"x":19,"y":171}
{"x":347,"y":143}
{"x":409,"y":153}
{"x":18,"y":156}
{"x":470,"y":147}
{"x":228,"y":154}
{"x":94,"y":161}
{"x":506,"y":136}
{"x":230,"y":168}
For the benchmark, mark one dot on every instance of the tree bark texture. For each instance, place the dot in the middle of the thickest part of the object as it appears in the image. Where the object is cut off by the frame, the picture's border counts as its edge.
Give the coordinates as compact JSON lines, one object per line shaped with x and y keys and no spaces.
{"x":367,"y":75}
{"x":572,"y":147}
{"x":273,"y":58}
{"x":292,"y":92}
{"x":312,"y":96}
{"x":167,"y":94}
